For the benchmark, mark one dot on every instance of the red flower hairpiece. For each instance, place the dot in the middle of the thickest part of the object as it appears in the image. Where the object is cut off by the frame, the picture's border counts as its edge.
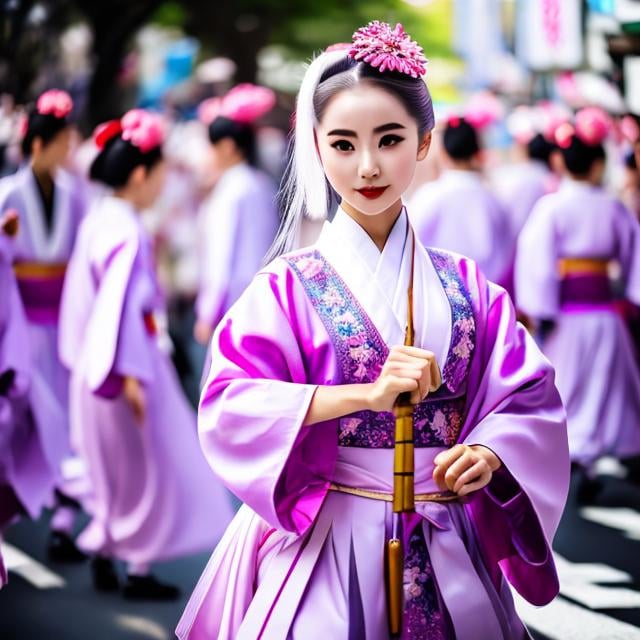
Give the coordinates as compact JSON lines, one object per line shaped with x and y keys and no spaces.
{"x":453,"y":121}
{"x":388,"y":49}
{"x":54,"y":102}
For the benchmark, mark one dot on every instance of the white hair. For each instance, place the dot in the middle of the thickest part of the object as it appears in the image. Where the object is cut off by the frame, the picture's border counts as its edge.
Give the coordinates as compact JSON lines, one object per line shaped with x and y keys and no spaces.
{"x":304,"y":191}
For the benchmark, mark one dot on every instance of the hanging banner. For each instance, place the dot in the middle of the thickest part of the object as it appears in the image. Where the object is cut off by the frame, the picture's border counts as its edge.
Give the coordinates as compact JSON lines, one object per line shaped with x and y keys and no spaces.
{"x":549,"y":34}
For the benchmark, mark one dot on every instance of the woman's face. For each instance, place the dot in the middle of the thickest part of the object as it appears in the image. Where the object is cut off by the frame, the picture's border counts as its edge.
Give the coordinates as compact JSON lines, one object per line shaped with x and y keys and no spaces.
{"x":368,"y":145}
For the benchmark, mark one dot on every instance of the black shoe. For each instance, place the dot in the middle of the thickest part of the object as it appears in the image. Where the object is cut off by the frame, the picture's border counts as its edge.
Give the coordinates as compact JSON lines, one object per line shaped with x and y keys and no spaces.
{"x":63,"y":549}
{"x":103,"y":573}
{"x":148,"y":588}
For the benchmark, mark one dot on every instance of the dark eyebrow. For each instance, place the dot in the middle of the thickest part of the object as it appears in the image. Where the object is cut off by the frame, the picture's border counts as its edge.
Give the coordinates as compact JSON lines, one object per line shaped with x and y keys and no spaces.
{"x":343,"y":132}
{"x":347,"y":133}
{"x":388,"y":127}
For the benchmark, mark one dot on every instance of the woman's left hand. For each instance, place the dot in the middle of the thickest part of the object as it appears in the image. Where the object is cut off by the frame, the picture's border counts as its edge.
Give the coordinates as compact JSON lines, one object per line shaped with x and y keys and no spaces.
{"x":465,"y":468}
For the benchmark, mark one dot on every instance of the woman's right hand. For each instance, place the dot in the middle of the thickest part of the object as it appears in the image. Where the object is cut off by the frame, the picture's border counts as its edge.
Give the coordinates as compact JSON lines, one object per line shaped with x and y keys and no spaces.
{"x":406,"y":369}
{"x":134,"y":394}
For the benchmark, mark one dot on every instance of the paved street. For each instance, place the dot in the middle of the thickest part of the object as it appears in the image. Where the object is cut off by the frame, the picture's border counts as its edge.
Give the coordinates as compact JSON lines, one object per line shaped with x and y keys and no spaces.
{"x":599,"y":562}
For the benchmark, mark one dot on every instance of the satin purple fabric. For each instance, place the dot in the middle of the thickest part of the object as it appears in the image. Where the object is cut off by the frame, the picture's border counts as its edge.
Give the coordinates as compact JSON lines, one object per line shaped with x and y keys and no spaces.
{"x":147,"y":479}
{"x":280,"y":570}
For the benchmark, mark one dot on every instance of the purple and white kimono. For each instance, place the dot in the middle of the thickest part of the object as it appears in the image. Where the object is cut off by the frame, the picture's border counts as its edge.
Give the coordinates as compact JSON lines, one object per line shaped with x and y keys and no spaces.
{"x":519,"y":186}
{"x":149,"y":503}
{"x":602,"y":400}
{"x":26,"y":477}
{"x":457,"y":212}
{"x":40,"y":260}
{"x":303,"y":561}
{"x":238,"y":223}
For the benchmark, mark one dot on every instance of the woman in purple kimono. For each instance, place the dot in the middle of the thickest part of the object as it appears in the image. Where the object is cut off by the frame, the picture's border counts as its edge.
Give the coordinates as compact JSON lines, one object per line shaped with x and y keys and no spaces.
{"x":129,"y":417}
{"x":565,"y":255}
{"x":306,"y":368}
{"x":50,"y":211}
{"x":460,"y":200}
{"x":527,"y":176}
{"x":26,"y":479}
{"x":239,"y":220}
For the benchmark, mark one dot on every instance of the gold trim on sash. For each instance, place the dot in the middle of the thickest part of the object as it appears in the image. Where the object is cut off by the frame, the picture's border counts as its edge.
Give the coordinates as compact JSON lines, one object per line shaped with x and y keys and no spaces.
{"x":437,"y":496}
{"x":40,"y":270}
{"x":591,"y":266}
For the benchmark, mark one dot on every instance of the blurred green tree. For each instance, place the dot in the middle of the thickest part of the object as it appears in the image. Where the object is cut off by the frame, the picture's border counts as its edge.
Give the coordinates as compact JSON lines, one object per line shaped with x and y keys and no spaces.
{"x":238,"y":29}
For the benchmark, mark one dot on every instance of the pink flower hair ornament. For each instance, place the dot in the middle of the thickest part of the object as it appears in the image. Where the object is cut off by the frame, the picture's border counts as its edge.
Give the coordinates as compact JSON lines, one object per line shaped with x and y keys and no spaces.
{"x":388,"y":49}
{"x":564,"y":134}
{"x":142,"y":129}
{"x":483,"y":109}
{"x":245,"y":103}
{"x":592,"y":125}
{"x":54,"y":102}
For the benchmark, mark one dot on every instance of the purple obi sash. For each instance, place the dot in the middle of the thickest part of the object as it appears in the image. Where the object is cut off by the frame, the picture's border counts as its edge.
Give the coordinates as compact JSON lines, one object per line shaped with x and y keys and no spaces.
{"x":585,"y":292}
{"x":40,"y":287}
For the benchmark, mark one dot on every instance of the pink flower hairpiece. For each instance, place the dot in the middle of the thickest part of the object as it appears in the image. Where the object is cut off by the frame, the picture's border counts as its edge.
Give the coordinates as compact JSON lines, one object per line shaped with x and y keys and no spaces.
{"x":142,"y":129}
{"x":388,"y":49}
{"x":552,"y":116}
{"x":564,"y":134}
{"x":592,"y":125}
{"x":245,"y":103}
{"x":54,"y":102}
{"x":483,"y":110}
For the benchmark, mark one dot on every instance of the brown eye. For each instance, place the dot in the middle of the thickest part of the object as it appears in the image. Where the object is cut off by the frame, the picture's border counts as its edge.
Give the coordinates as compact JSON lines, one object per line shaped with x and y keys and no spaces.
{"x":342,"y":145}
{"x":390,"y":140}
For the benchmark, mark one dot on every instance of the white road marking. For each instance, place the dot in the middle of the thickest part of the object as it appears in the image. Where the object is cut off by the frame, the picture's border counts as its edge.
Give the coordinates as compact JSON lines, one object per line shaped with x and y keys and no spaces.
{"x":578,"y":582}
{"x":610,"y":467}
{"x":625,"y":520}
{"x":149,"y":628}
{"x":562,"y":620}
{"x":31,"y":570}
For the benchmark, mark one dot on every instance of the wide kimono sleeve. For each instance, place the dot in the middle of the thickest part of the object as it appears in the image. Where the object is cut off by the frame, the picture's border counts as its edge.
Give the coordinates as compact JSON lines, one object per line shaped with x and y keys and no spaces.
{"x":268,"y":355}
{"x":515,"y":410}
{"x":109,"y":332}
{"x":537,"y":284}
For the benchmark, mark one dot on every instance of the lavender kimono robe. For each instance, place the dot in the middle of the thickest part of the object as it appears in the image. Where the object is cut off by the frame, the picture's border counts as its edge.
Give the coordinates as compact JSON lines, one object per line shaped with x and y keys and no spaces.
{"x":459,"y":213}
{"x":519,"y":186}
{"x":300,"y":561}
{"x":582,"y":221}
{"x":41,"y":294}
{"x":147,"y":479}
{"x":238,"y":224}
{"x":26,"y":477}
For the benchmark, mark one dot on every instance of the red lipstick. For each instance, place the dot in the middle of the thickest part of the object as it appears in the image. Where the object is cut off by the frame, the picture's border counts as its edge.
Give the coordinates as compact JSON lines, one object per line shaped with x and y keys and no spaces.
{"x":372,"y":192}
